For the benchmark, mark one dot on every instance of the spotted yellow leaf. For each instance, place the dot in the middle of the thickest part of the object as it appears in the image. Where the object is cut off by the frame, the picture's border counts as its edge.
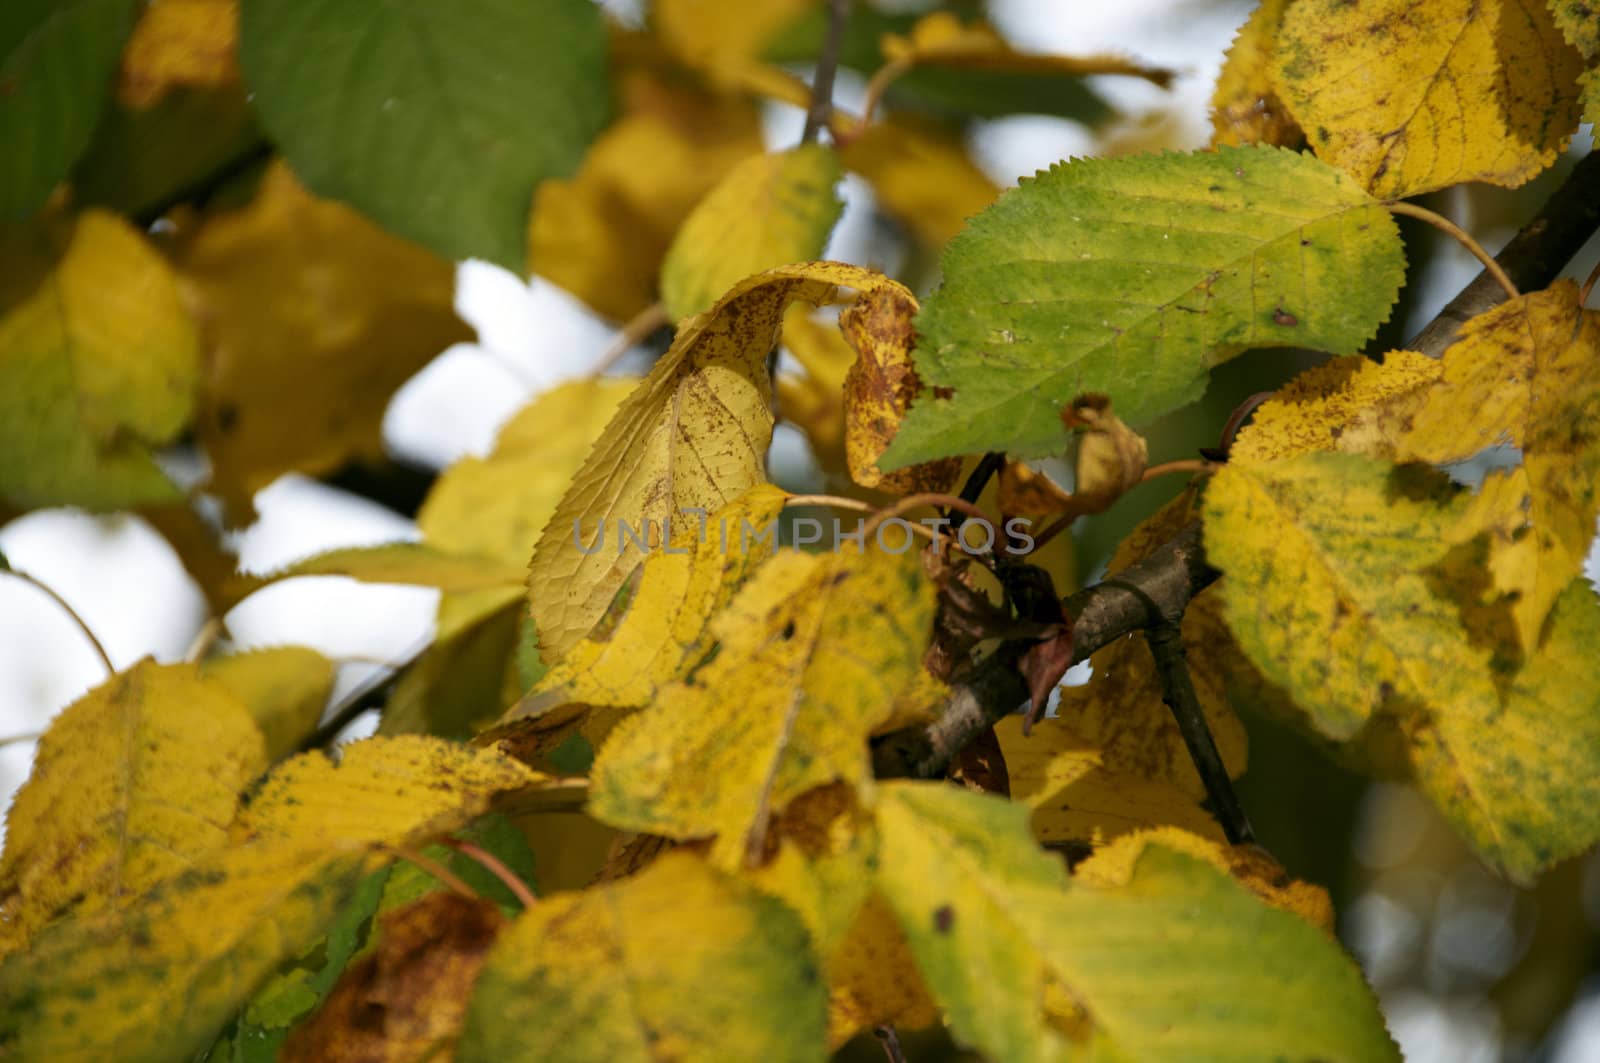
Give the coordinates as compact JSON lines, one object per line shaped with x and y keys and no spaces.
{"x":1412,"y":97}
{"x":693,"y":435}
{"x":769,"y":210}
{"x":679,"y":962}
{"x":133,"y":782}
{"x":1245,"y":108}
{"x":813,"y":654}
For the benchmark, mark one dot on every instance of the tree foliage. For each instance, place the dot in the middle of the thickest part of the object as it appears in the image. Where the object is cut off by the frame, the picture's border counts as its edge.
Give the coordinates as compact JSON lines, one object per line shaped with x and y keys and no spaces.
{"x":228,"y":225}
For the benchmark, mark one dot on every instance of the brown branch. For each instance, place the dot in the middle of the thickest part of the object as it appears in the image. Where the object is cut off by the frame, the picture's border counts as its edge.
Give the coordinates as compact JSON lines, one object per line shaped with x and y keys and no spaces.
{"x":827,"y":64}
{"x":1158,"y":589}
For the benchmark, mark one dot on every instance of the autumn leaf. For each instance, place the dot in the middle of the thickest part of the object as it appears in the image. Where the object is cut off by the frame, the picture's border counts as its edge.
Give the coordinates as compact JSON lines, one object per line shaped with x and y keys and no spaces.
{"x":879,"y":388}
{"x":310,"y":315}
{"x":408,"y":996}
{"x":817,"y":647}
{"x":1408,"y":98}
{"x":602,"y":233}
{"x":1131,"y":278}
{"x":383,"y":791}
{"x":179,"y":43}
{"x":693,"y":435}
{"x":1029,"y":966}
{"x":495,"y":506}
{"x":609,"y":976}
{"x":664,"y":633}
{"x":134,"y":782}
{"x":285,"y":689}
{"x":462,"y":112}
{"x":1110,"y":460}
{"x":813,"y":400}
{"x":940,"y":39}
{"x":156,"y":980}
{"x":722,"y":37}
{"x":921,"y":176}
{"x":56,"y":61}
{"x":460,"y":684}
{"x":1349,"y":405}
{"x":414,"y":564}
{"x":1528,"y":373}
{"x":98,"y":363}
{"x":769,"y":210}
{"x":1245,"y":108}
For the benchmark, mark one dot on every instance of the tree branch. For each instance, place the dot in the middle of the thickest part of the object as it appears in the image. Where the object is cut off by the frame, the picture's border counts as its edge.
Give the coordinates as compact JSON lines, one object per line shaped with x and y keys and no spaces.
{"x":827,"y":64}
{"x":1158,"y":589}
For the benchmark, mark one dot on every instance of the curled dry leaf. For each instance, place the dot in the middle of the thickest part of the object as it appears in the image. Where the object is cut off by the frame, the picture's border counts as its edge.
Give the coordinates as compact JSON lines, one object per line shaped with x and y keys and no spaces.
{"x":941,"y":39}
{"x":879,"y":390}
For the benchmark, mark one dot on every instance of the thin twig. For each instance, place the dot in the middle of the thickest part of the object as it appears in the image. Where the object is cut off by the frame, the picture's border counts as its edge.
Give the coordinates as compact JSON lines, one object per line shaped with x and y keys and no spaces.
{"x":634,"y":331}
{"x":838,"y":501}
{"x":890,"y":1042}
{"x":492,"y":864}
{"x":981,"y":474}
{"x":434,"y":868}
{"x":1464,"y":238}
{"x":88,"y":633}
{"x":910,"y":502}
{"x":1194,"y":466}
{"x":26,"y":736}
{"x":827,"y":65}
{"x":1177,"y":690}
{"x":882,"y":78}
{"x":1588,"y":285}
{"x":204,"y":639}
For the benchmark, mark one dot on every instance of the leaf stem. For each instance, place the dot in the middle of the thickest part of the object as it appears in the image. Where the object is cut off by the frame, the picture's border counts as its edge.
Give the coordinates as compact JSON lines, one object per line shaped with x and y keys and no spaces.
{"x":910,"y":502}
{"x":492,"y":864}
{"x":1194,"y":466}
{"x":634,"y":331}
{"x":827,"y":65}
{"x":1464,"y":238}
{"x":434,"y":868}
{"x":882,"y":78}
{"x":891,"y":1043}
{"x":1588,"y":285}
{"x":88,"y":633}
{"x":1165,"y":640}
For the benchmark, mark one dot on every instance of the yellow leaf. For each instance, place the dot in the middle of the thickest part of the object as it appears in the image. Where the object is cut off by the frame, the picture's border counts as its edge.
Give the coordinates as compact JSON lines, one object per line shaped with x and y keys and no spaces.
{"x":879,"y":390}
{"x":940,"y":39}
{"x":284,"y":687}
{"x":1413,"y":97}
{"x":1111,"y":456}
{"x":814,"y":400}
{"x":1074,"y":798}
{"x":921,"y":175}
{"x":1115,"y":864}
{"x":679,"y":962}
{"x":414,"y":564}
{"x":496,"y":506}
{"x":769,"y":210}
{"x":693,"y":435}
{"x":602,"y":233}
{"x":135,"y":781}
{"x":1245,"y":108}
{"x":1349,"y":405}
{"x":179,"y":44}
{"x":156,"y":981}
{"x":98,"y":362}
{"x":1528,"y":373}
{"x":310,"y":316}
{"x":663,"y":635}
{"x":873,"y":978}
{"x":462,"y":682}
{"x":1120,"y":709}
{"x":1029,"y":966}
{"x":1580,"y":25}
{"x":718,"y":36}
{"x":814,"y":652}
{"x":383,"y":791}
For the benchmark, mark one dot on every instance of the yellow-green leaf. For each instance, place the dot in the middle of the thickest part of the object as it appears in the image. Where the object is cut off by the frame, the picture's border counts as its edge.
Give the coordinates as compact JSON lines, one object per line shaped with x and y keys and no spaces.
{"x":769,"y":210}
{"x":496,"y":506}
{"x":664,"y":632}
{"x":812,"y":655}
{"x":155,"y":981}
{"x":383,"y":791}
{"x":1028,"y":966}
{"x":1245,"y":108}
{"x":1528,"y":373}
{"x":677,"y":963}
{"x":311,"y":316}
{"x":284,"y":687}
{"x":416,"y":564}
{"x":693,"y":435}
{"x":135,"y":781}
{"x":463,"y":681}
{"x":1412,"y":97}
{"x":1348,"y":405}
{"x":98,"y":363}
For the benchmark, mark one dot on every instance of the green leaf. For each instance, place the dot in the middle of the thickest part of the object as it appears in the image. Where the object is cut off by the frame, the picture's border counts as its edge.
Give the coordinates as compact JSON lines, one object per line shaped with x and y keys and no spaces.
{"x":1181,"y":962}
{"x":1133,"y":277}
{"x":437,"y":120}
{"x":56,"y":62}
{"x":768,"y":211}
{"x":679,"y":962}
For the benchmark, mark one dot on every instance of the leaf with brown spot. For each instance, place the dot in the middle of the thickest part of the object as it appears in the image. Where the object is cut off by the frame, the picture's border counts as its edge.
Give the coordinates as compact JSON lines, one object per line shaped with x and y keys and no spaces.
{"x":405,"y":999}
